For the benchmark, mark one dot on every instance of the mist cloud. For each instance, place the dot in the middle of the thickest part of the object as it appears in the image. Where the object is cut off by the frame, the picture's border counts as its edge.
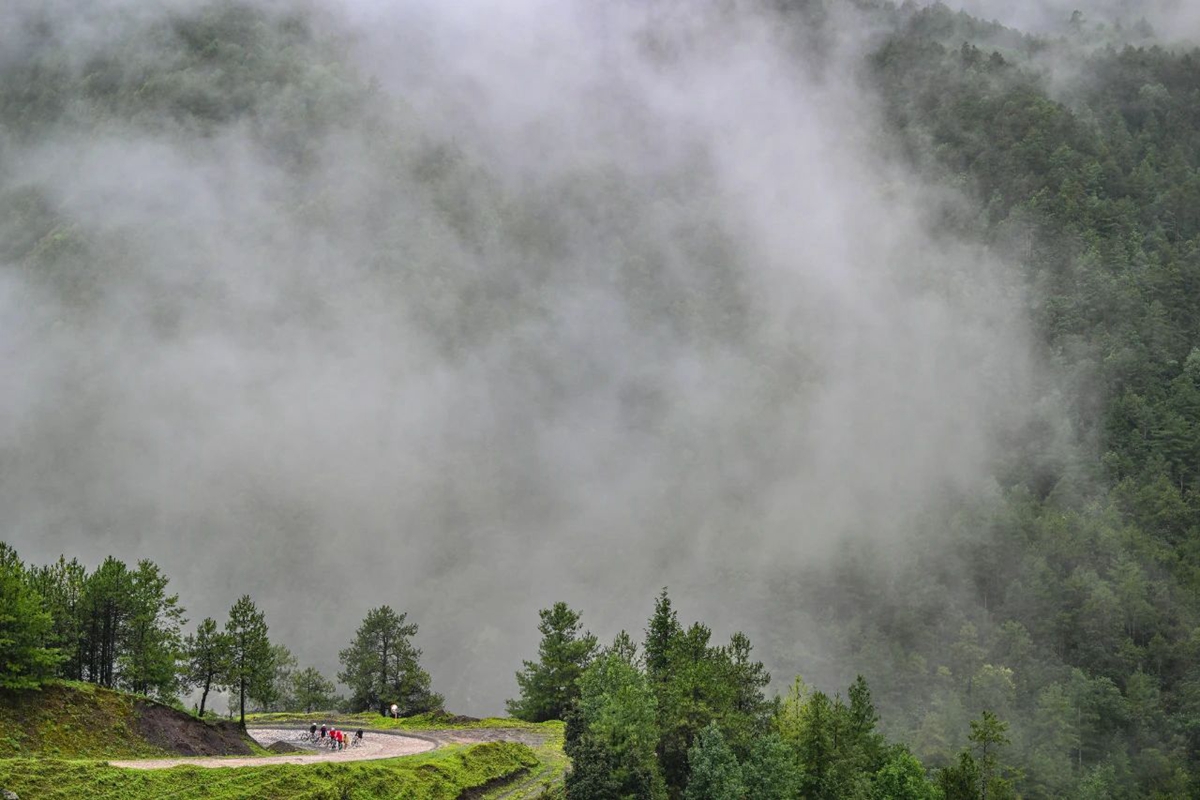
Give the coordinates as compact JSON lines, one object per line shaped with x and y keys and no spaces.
{"x":576,"y":302}
{"x":1175,"y":21}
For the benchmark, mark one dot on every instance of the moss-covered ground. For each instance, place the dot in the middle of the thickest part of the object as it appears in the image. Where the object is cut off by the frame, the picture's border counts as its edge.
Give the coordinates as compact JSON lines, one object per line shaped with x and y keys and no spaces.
{"x":546,"y":779}
{"x":68,"y":719}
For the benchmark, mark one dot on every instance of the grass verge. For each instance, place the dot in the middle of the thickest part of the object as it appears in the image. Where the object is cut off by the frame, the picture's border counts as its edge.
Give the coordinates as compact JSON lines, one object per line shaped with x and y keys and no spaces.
{"x":546,"y":779}
{"x":69,"y":719}
{"x":438,"y":775}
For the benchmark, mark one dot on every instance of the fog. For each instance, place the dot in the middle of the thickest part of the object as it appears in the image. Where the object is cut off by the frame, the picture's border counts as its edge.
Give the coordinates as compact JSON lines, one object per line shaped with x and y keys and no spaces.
{"x":575,"y":301}
{"x":1172,"y":21}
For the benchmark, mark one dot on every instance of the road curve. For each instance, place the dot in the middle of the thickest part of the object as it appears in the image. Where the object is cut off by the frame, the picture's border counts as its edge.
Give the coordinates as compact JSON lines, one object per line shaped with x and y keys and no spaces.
{"x":376,"y":744}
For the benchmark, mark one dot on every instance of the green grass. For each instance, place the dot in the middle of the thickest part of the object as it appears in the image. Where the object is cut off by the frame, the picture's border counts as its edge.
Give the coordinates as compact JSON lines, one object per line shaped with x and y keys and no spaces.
{"x":444,"y":773}
{"x":68,"y":719}
{"x":546,"y":779}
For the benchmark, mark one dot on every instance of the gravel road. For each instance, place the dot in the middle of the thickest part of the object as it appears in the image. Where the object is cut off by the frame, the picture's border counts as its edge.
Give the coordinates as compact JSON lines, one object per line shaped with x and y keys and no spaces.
{"x":376,"y":744}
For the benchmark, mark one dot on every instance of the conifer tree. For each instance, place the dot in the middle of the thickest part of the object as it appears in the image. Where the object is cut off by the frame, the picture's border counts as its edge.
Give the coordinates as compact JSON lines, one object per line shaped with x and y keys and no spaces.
{"x":382,"y":667}
{"x":25,"y":626}
{"x":207,"y":659}
{"x":250,"y":663}
{"x":549,"y":686}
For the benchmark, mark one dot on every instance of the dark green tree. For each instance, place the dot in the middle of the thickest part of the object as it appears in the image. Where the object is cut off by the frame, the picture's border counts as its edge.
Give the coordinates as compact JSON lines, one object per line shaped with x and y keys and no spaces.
{"x":150,"y":641}
{"x":25,"y":627}
{"x":714,"y":770}
{"x":771,"y":769}
{"x":959,"y":781}
{"x":313,"y":691}
{"x":901,"y":778}
{"x":661,"y":632}
{"x":988,"y":735}
{"x":612,"y":731}
{"x":62,"y":585}
{"x":206,"y":659}
{"x":279,"y":693}
{"x":250,"y":664}
{"x":549,"y":686}
{"x":106,"y":609}
{"x":381,"y":666}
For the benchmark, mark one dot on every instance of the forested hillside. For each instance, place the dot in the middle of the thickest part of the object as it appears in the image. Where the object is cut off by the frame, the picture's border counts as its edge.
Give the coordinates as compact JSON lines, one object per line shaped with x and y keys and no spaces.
{"x":1076,"y":587}
{"x":272,"y":312}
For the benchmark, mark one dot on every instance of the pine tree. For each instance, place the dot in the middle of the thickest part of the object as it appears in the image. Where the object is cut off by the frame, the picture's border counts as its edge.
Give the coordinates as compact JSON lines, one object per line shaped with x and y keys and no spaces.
{"x":661,"y":633}
{"x":250,"y":663}
{"x":25,"y":627}
{"x":207,"y":659}
{"x":988,"y":735}
{"x":549,"y":686}
{"x":382,"y":667}
{"x":151,"y":646}
{"x":313,"y":691}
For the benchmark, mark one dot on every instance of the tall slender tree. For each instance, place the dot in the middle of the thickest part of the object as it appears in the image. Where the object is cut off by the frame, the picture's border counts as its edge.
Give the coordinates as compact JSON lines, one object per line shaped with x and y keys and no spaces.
{"x":207,"y":653}
{"x":151,"y":644}
{"x":250,"y":661}
{"x":105,"y":611}
{"x":550,"y":685}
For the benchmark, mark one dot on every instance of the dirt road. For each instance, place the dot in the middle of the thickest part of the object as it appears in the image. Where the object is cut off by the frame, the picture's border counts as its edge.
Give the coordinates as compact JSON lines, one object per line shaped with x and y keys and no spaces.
{"x":376,"y":744}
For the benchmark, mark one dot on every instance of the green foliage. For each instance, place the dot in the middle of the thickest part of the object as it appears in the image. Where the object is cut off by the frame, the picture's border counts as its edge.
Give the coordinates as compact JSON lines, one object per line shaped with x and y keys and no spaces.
{"x":960,"y":781}
{"x":278,"y":693}
{"x":714,"y":770}
{"x":382,"y":667}
{"x":612,"y":732}
{"x":105,"y":614}
{"x":151,"y":644}
{"x":771,"y":770}
{"x":312,"y":690}
{"x":549,"y":686}
{"x":249,"y":668}
{"x":25,"y":627}
{"x":698,"y":725}
{"x":988,"y":735}
{"x":901,"y":778}
{"x":207,"y":654}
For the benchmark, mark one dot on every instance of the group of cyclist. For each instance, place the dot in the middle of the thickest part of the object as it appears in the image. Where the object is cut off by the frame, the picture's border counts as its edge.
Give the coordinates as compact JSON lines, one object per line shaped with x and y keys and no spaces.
{"x":333,"y":737}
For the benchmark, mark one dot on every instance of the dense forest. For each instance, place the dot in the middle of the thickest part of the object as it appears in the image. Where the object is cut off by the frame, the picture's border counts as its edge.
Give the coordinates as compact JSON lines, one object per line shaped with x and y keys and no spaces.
{"x":1039,"y":639}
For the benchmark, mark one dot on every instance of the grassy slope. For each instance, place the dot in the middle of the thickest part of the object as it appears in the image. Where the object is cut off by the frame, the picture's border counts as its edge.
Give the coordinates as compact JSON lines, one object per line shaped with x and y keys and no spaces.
{"x":544,"y":780}
{"x":70,"y":719}
{"x":444,"y":773}
{"x":51,"y":743}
